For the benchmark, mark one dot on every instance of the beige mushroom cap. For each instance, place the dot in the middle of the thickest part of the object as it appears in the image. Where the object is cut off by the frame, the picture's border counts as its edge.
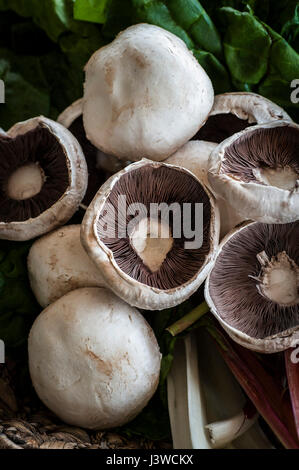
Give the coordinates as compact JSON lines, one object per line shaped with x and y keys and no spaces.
{"x":194,"y":156}
{"x":58,"y":264}
{"x":136,"y":293}
{"x":145,"y":94}
{"x":63,"y":209}
{"x":269,"y":344}
{"x":268,"y":200}
{"x":250,"y":106}
{"x":93,"y":359}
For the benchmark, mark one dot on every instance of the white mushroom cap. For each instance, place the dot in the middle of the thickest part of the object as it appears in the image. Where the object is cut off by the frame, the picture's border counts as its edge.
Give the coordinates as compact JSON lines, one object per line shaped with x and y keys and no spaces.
{"x":265,"y":194}
{"x":145,"y":94}
{"x":93,"y":359}
{"x":239,"y":262}
{"x":233,"y":112}
{"x":248,"y":106}
{"x":58,"y":264}
{"x":194,"y":156}
{"x":144,"y":294}
{"x":106,"y":162}
{"x":63,"y":209}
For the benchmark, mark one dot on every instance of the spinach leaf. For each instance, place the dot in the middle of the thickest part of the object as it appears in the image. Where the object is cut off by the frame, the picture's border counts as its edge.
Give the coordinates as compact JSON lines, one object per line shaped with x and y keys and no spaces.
{"x":90,"y":10}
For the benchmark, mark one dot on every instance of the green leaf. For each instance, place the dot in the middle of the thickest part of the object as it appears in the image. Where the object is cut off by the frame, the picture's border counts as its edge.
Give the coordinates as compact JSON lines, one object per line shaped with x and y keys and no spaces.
{"x":156,"y":12}
{"x":283,"y":68}
{"x":216,"y":71}
{"x":246,"y":46}
{"x":90,"y":10}
{"x":191,"y":16}
{"x":18,"y":307}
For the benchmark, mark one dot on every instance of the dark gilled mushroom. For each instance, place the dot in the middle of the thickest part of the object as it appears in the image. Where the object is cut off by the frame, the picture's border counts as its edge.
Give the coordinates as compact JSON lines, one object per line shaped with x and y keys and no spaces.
{"x":233,"y":112}
{"x":43,"y":178}
{"x":257,"y":171}
{"x":100,"y":165}
{"x":253,"y":288}
{"x":149,"y":260}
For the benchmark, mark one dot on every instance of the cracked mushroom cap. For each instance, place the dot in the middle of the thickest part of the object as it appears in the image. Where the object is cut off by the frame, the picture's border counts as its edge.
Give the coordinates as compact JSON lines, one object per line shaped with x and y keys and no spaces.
{"x":93,"y":359}
{"x":234,"y":112}
{"x":43,"y":178}
{"x":145,"y":94}
{"x":257,"y":171}
{"x":253,"y":287}
{"x":136,"y":232}
{"x":58,"y":264}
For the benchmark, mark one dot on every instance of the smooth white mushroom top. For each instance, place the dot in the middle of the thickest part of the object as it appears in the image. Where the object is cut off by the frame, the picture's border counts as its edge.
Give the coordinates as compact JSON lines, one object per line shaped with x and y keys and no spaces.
{"x":94,"y":360}
{"x":145,"y":94}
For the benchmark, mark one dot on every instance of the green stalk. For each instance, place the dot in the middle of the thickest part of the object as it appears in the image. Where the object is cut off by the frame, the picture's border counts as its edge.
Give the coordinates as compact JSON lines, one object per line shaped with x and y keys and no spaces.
{"x":188,"y":320}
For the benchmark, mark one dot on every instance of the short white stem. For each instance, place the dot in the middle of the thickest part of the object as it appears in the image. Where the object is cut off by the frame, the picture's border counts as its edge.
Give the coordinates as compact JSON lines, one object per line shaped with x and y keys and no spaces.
{"x":279,"y":278}
{"x":25,"y":182}
{"x":151,"y":240}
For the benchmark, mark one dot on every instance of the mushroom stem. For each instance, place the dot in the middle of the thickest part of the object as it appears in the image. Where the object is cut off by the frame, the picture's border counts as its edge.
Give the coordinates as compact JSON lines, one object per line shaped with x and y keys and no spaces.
{"x":223,"y":432}
{"x":188,"y":320}
{"x":151,"y":240}
{"x":25,"y":182}
{"x":279,"y":278}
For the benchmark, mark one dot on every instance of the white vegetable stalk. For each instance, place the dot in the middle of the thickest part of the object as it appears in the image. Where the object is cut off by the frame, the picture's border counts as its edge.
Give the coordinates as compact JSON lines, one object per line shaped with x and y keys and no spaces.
{"x":223,"y":432}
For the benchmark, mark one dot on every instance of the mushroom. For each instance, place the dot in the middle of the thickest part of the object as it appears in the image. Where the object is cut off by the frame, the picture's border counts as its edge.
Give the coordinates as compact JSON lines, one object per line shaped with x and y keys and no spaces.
{"x":152,"y":260}
{"x":100,"y":165}
{"x":43,"y":178}
{"x":145,"y":94}
{"x":194,"y":156}
{"x":58,"y":264}
{"x":93,"y":359}
{"x":257,"y":171}
{"x":233,"y":112}
{"x":253,"y":287}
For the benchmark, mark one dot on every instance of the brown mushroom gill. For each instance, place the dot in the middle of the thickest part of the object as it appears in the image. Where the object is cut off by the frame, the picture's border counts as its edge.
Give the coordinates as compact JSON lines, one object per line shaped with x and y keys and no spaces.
{"x":240,"y":282}
{"x":147,"y":185}
{"x":219,"y":127}
{"x":265,"y":156}
{"x":37,"y":147}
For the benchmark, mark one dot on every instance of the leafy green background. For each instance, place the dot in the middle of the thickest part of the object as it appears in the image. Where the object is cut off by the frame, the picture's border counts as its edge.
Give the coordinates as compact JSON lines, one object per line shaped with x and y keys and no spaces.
{"x":243,"y":45}
{"x":44,"y":44}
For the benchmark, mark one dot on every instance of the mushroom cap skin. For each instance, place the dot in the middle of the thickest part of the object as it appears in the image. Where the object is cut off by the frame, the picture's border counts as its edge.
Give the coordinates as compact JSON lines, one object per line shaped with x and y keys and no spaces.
{"x":257,"y":199}
{"x":58,"y":264}
{"x":65,"y":206}
{"x":233,"y":112}
{"x":194,"y":156}
{"x":280,"y":341}
{"x":106,"y":162}
{"x":93,"y":360}
{"x":136,"y":293}
{"x":145,"y":94}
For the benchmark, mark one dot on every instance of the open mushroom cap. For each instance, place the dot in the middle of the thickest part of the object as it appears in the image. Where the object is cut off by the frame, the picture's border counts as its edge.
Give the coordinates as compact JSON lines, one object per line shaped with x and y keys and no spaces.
{"x":145,"y":94}
{"x":58,"y":264}
{"x":93,"y":359}
{"x":194,"y":156}
{"x":233,"y":112}
{"x":152,"y":229}
{"x":43,"y":178}
{"x":253,"y":287}
{"x":257,"y":171}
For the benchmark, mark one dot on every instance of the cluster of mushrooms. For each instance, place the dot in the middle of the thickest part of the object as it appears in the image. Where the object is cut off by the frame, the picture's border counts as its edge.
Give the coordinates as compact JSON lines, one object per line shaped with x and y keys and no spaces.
{"x":149,"y":120}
